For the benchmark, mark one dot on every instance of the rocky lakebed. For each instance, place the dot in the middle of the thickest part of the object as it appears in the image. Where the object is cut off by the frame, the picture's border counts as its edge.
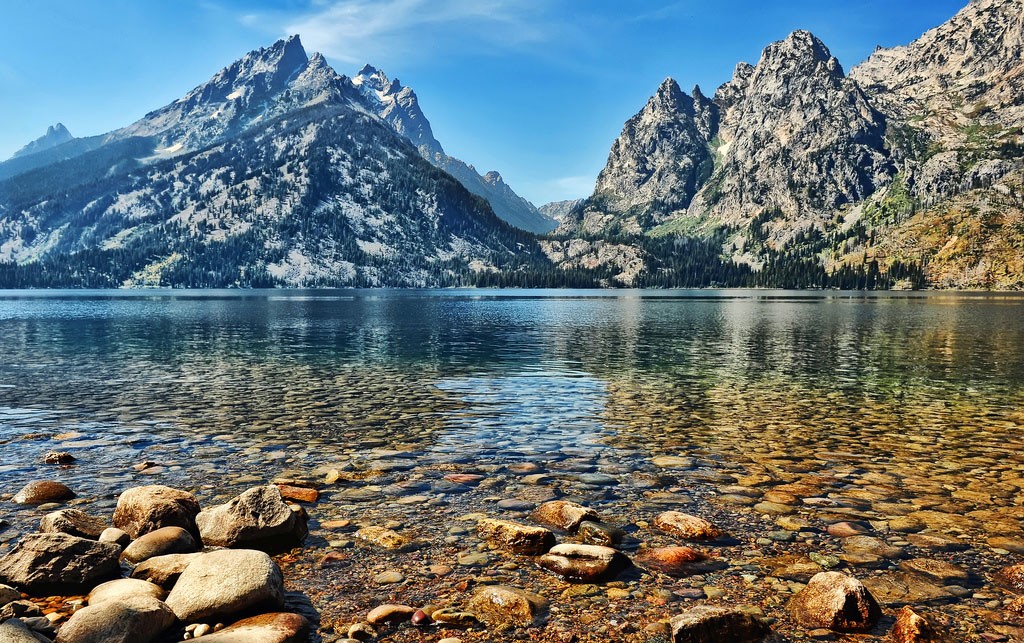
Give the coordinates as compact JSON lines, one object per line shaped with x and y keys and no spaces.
{"x":385,"y":544}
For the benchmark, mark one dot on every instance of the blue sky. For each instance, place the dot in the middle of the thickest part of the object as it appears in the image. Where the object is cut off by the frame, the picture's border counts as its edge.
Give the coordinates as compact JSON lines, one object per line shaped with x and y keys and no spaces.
{"x":537,"y":89}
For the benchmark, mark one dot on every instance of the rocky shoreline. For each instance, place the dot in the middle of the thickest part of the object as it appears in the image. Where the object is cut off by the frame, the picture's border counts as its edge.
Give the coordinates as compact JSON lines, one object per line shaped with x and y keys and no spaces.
{"x":453,"y":558}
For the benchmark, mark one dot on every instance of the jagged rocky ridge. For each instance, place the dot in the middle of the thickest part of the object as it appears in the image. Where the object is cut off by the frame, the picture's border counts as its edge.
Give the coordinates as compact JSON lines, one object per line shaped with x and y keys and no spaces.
{"x":275,"y":172}
{"x":54,"y":136}
{"x":399,"y":106}
{"x":913,"y":159}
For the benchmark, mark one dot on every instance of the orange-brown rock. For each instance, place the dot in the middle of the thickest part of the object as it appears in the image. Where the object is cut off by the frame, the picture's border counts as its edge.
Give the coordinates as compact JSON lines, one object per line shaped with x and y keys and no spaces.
{"x":674,"y":561}
{"x":464,"y":478}
{"x":563,"y":515}
{"x":519,"y":539}
{"x":1012,"y":577}
{"x":298,"y":494}
{"x":686,"y":526}
{"x":911,"y":627}
{"x":837,"y":602}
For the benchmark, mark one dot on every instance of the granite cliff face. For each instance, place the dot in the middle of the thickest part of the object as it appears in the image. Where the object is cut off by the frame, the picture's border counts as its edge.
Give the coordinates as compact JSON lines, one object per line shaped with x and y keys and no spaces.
{"x":794,"y":161}
{"x":657,"y":164}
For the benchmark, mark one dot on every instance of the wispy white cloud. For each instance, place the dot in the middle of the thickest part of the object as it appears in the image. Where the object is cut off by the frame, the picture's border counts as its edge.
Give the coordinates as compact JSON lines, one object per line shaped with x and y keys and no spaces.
{"x":557,"y":189}
{"x":357,"y":31}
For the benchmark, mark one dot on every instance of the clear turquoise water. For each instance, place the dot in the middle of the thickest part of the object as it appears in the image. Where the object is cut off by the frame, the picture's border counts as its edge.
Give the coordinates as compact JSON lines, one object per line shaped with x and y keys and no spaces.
{"x":513,"y":374}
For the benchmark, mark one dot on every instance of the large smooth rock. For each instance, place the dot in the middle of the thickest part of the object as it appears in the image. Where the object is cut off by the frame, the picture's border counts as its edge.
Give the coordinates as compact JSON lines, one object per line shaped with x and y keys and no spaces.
{"x":277,"y":627}
{"x":939,"y":571}
{"x":59,"y":564}
{"x":72,"y":522}
{"x":162,"y":542}
{"x":686,"y":526}
{"x":519,"y":539}
{"x":225,"y":582}
{"x":837,"y":602}
{"x":257,"y":519}
{"x":164,"y":570}
{"x":584,"y":563}
{"x":144,"y":509}
{"x":708,"y":624}
{"x":563,"y":515}
{"x":124,"y":588}
{"x":135,"y":619}
{"x":40,"y":492}
{"x":500,"y":605}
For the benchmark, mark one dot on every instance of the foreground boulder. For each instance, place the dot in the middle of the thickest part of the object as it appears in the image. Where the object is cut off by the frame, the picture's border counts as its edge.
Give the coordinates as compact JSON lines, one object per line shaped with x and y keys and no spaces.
{"x":168,"y":540}
{"x":134,"y":619}
{"x":499,"y":605}
{"x":40,"y":492}
{"x":14,"y":631}
{"x":258,"y":519}
{"x":584,"y":563}
{"x":225,"y":582}
{"x":837,"y":602}
{"x":563,"y":515}
{"x":278,"y":627}
{"x":45,"y":564}
{"x":72,"y":522}
{"x":164,"y":570}
{"x":708,"y":624}
{"x":519,"y":539}
{"x":144,"y":509}
{"x":686,"y":526}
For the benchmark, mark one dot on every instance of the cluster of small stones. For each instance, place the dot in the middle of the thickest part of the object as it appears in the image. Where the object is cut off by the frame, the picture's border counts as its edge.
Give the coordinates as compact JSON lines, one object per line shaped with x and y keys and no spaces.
{"x":400,"y":552}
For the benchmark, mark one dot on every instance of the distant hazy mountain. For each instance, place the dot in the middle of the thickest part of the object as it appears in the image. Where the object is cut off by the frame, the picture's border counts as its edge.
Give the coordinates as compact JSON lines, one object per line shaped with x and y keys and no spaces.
{"x":276,"y":171}
{"x":557,"y":210}
{"x":400,"y":107}
{"x":912,"y":165}
{"x":54,"y":136}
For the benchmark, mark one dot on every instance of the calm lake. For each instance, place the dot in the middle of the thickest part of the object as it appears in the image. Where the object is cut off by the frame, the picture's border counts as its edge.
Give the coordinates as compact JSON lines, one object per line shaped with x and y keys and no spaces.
{"x":902,"y":409}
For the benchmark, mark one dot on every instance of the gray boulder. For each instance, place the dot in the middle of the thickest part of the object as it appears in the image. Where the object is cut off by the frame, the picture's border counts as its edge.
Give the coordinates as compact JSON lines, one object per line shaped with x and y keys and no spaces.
{"x":144,"y":509}
{"x":72,"y":522}
{"x":164,"y":570}
{"x":168,"y":540}
{"x":225,"y":582}
{"x":258,"y":519}
{"x":134,"y":619}
{"x":14,"y":631}
{"x":59,"y":564}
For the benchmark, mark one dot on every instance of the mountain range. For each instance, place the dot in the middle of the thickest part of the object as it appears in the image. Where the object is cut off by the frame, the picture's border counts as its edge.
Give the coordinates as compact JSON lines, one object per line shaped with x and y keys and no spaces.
{"x":906,"y":172}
